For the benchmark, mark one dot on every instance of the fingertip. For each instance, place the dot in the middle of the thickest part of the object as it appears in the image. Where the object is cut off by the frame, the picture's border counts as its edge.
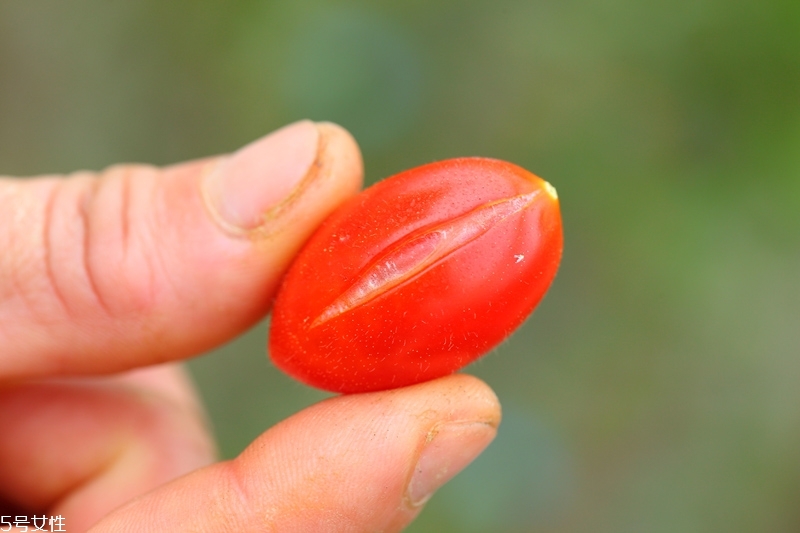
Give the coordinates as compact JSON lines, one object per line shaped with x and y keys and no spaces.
{"x":336,"y":174}
{"x":337,"y":140}
{"x":283,"y":186}
{"x":252,"y":191}
{"x":243,"y":189}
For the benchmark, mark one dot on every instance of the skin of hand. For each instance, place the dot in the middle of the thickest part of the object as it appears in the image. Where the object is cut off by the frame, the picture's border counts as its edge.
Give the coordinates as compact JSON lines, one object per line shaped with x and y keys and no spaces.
{"x":107,"y":280}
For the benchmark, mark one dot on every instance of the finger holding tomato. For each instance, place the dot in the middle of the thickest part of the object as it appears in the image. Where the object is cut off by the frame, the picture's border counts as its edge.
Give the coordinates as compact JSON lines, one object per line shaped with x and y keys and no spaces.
{"x":108,"y":280}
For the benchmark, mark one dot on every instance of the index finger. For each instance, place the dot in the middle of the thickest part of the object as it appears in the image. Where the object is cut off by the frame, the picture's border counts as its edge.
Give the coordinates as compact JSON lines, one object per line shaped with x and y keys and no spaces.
{"x":141,"y":265}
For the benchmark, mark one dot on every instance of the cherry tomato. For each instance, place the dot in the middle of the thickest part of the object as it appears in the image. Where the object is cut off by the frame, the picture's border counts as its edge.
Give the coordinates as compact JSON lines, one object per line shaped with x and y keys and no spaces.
{"x":417,"y":276}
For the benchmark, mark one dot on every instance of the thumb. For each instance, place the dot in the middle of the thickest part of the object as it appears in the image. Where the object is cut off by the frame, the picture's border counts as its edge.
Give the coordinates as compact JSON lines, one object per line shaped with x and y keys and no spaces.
{"x":362,"y":462}
{"x":138,"y":265}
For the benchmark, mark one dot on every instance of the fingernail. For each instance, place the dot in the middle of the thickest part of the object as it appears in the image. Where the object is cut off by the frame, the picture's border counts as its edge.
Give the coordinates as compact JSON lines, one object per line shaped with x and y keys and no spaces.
{"x":449,"y":449}
{"x":249,"y":185}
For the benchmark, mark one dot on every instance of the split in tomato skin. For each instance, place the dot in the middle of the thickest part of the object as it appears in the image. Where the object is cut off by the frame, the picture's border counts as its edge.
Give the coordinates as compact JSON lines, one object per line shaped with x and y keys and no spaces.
{"x":417,"y":276}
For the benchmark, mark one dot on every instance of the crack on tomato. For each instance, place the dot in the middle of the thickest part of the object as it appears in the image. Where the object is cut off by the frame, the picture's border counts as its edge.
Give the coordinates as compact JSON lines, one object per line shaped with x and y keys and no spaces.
{"x":419,"y":251}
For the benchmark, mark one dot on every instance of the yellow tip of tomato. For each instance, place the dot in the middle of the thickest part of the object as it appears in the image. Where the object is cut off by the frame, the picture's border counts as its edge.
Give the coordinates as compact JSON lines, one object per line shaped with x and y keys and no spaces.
{"x":550,"y":190}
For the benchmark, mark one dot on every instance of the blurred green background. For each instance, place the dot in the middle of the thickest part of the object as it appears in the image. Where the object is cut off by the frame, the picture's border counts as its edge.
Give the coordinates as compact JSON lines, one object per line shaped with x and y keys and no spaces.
{"x":657,"y":387}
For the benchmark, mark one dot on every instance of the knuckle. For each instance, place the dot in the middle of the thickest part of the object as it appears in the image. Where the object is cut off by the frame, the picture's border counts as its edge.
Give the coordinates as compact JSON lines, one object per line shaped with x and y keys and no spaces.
{"x":122,"y":262}
{"x":76,"y":247}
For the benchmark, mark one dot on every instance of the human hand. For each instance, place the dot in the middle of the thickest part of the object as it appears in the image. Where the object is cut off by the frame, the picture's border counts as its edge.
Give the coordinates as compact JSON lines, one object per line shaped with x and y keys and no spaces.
{"x":106,"y":280}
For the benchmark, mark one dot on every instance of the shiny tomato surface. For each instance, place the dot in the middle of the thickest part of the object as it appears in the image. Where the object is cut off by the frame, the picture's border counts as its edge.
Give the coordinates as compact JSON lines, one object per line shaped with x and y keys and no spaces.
{"x":417,"y":276}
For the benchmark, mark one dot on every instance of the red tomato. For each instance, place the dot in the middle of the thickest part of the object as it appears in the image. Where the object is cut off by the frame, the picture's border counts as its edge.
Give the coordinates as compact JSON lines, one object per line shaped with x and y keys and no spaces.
{"x":417,"y":276}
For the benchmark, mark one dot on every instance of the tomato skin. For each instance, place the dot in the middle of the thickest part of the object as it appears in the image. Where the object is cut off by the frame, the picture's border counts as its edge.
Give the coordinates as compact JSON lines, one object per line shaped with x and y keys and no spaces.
{"x":417,"y":276}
